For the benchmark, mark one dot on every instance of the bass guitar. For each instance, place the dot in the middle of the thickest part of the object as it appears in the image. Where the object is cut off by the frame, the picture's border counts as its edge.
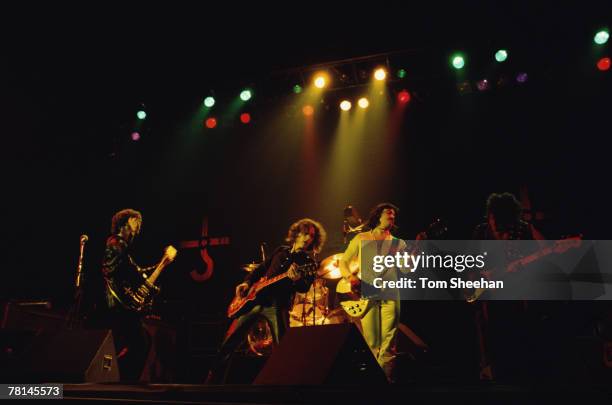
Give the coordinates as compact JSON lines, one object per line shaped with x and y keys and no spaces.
{"x":560,"y":246}
{"x":138,"y":293}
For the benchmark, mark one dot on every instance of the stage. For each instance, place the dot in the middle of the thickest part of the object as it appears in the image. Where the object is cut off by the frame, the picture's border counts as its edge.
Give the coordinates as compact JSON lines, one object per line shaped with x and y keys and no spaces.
{"x":388,"y":394}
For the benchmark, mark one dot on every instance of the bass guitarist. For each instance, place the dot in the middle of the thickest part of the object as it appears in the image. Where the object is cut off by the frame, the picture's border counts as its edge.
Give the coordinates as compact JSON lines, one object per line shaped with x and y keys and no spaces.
{"x":124,"y":281}
{"x":305,"y":238}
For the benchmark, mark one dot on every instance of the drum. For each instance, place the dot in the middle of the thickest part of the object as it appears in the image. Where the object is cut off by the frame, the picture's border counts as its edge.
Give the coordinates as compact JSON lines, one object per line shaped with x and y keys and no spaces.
{"x":259,"y":338}
{"x":306,"y":314}
{"x":317,"y":294}
{"x":336,"y":316}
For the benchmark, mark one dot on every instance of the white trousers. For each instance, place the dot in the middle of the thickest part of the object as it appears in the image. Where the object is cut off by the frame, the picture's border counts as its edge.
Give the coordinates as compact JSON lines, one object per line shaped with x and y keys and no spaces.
{"x":379,"y":327}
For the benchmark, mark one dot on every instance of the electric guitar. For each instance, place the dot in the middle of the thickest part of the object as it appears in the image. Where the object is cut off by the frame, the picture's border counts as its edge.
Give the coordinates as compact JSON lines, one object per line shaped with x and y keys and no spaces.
{"x":351,"y":301}
{"x":138,"y":294}
{"x":560,"y":246}
{"x":243,"y":304}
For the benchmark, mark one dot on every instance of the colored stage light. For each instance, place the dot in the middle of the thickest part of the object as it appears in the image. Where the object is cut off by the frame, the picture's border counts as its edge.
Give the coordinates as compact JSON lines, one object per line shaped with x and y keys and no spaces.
{"x":603,"y":64}
{"x":403,"y":96}
{"x":601,"y":37}
{"x":345,"y":105}
{"x":482,"y":85}
{"x":458,"y":61}
{"x":209,"y":101}
{"x":380,"y":74}
{"x":245,"y":118}
{"x":297,"y":89}
{"x":135,"y":136}
{"x":245,"y":95}
{"x":320,"y":81}
{"x":363,"y":102}
{"x":401,"y":73}
{"x":141,"y":115}
{"x":211,"y":122}
{"x":308,"y":110}
{"x":522,"y":77}
{"x":501,"y":55}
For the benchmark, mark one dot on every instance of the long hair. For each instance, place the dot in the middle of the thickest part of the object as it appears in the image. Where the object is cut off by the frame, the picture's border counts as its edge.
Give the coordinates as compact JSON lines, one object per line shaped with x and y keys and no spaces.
{"x":303,"y":225}
{"x":376,"y":212}
{"x":121,"y":218}
{"x":505,"y":208}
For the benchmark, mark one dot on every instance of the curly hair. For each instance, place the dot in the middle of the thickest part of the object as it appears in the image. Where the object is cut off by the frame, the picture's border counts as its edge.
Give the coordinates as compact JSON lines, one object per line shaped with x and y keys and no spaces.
{"x":376,"y":212}
{"x":504,"y":207}
{"x":121,"y":218}
{"x":303,"y":225}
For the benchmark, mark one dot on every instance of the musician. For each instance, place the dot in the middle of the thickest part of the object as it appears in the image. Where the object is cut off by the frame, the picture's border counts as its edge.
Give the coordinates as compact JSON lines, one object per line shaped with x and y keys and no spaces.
{"x":305,"y":239}
{"x":352,"y":224}
{"x":504,"y":221}
{"x":132,"y":342}
{"x":379,"y":323}
{"x":502,"y":323}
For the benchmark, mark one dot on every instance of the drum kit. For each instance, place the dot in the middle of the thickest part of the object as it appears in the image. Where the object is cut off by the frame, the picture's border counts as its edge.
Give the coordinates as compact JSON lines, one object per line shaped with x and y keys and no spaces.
{"x":314,"y":307}
{"x":317,"y":306}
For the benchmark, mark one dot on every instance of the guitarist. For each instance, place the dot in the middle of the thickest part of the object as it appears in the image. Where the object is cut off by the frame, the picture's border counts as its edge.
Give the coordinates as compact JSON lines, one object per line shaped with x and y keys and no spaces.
{"x":305,"y":238}
{"x":379,"y":322}
{"x":131,"y":339}
{"x":500,"y":324}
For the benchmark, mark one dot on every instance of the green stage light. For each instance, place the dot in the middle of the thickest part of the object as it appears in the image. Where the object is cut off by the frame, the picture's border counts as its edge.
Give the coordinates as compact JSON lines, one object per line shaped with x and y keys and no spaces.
{"x":601,"y":37}
{"x":209,"y":101}
{"x":246,"y":95}
{"x":458,"y":61}
{"x":501,"y":55}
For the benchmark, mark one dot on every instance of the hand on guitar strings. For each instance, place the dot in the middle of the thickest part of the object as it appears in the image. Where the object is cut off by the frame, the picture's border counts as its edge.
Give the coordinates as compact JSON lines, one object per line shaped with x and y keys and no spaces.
{"x":292,"y":273}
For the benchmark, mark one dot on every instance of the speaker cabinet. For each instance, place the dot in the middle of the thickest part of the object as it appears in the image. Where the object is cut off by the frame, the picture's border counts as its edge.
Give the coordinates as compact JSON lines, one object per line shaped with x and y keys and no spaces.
{"x":71,"y":356}
{"x":327,"y":354}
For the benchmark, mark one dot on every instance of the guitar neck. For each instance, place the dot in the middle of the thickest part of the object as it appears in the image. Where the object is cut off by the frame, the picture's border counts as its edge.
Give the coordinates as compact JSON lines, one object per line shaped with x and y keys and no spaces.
{"x":276,"y":278}
{"x":271,"y":281}
{"x":535,"y":256}
{"x":153,"y":277}
{"x":545,"y":252}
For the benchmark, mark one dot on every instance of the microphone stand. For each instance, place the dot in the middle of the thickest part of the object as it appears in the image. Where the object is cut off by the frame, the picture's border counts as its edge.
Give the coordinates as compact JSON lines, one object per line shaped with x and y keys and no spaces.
{"x":73,"y":318}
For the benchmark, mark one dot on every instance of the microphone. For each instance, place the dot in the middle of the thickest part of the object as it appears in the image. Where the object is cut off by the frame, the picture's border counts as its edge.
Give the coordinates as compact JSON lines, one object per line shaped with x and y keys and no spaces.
{"x":84,"y":238}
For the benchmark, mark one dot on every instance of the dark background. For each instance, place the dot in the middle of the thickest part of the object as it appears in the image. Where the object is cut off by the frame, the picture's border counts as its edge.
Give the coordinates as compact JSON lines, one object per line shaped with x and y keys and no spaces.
{"x":73,"y":88}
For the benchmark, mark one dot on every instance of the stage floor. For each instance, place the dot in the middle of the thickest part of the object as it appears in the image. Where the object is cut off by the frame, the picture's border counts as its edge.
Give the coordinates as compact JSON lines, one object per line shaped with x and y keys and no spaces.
{"x":484,"y":393}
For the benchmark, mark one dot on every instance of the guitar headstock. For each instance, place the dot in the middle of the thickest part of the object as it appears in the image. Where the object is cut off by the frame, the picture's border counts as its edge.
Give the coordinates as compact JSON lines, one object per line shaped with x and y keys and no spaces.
{"x":564,"y":245}
{"x":436,"y":230}
{"x":170,"y":253}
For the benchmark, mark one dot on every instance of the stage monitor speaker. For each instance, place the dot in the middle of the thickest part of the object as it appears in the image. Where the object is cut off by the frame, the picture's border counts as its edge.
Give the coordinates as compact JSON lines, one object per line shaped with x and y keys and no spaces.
{"x":316,"y":355}
{"x":72,"y":356}
{"x":31,"y":315}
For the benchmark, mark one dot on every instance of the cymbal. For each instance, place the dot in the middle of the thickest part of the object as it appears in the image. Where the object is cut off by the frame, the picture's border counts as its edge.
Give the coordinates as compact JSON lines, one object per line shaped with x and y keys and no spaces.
{"x":330,"y":267}
{"x":249,"y":267}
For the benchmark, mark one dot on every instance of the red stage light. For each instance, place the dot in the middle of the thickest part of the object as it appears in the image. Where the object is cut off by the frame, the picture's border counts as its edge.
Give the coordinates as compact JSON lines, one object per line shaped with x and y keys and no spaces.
{"x":211,"y":123}
{"x":603,"y":64}
{"x":403,"y":96}
{"x":245,"y":118}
